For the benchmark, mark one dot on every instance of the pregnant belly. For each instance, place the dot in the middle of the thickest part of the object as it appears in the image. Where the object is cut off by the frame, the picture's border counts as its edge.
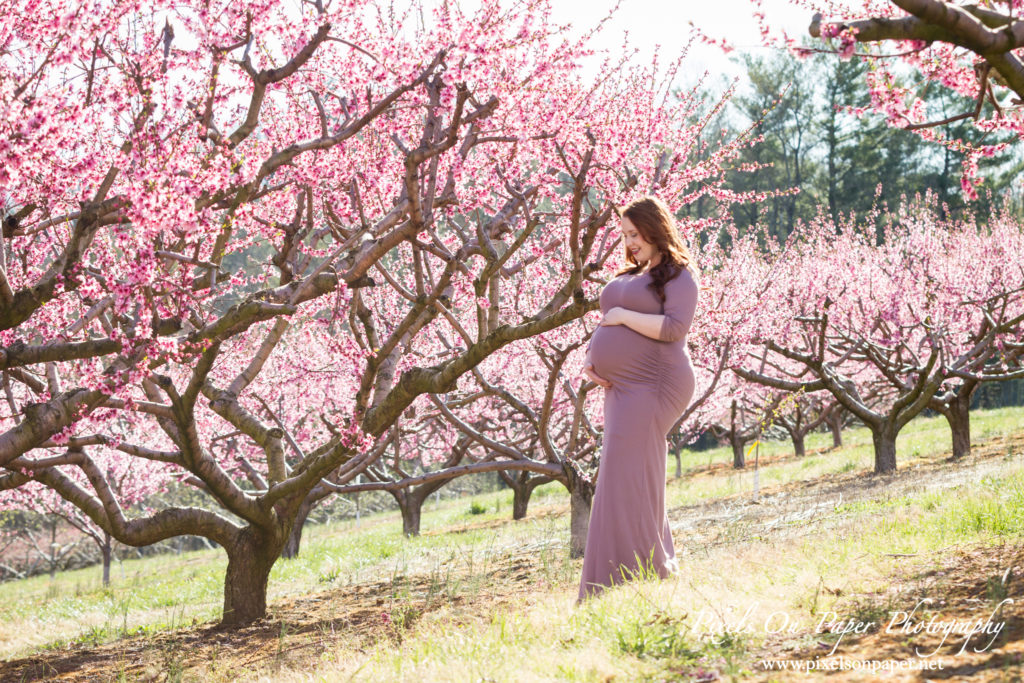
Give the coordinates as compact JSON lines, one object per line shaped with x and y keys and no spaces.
{"x":621,"y":354}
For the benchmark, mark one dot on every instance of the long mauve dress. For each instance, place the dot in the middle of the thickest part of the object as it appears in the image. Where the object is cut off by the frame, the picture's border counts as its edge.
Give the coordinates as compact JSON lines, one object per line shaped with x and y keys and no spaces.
{"x":652,"y":384}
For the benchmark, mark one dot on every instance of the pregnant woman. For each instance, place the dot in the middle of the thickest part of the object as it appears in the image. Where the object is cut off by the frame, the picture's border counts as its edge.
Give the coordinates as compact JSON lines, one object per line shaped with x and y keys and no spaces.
{"x":638,"y":354}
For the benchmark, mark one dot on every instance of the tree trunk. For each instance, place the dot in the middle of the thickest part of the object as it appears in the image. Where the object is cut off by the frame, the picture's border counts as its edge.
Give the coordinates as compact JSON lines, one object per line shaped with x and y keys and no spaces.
{"x":291,"y":546}
{"x":885,"y":449}
{"x":579,"y":520}
{"x":679,"y":463}
{"x":411,"y":516}
{"x":250,"y":560}
{"x":522,"y":485}
{"x":520,"y":500}
{"x":959,"y":417}
{"x":410,"y":503}
{"x":798,"y":444}
{"x":836,"y":425}
{"x":105,"y":551}
{"x":580,"y":498}
{"x":738,"y":459}
{"x":581,"y":494}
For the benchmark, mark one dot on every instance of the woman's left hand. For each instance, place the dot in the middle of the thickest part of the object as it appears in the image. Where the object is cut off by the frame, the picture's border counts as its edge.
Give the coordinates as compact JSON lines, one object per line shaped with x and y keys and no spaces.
{"x":614,"y":316}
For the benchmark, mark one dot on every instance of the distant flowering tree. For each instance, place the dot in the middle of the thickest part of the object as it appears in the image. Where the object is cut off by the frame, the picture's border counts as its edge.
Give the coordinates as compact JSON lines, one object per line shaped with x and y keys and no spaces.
{"x":926,"y":308}
{"x":988,"y":327}
{"x":129,"y":486}
{"x":804,"y":414}
{"x":736,"y":277}
{"x":538,"y":424}
{"x":720,"y":305}
{"x":412,"y":445}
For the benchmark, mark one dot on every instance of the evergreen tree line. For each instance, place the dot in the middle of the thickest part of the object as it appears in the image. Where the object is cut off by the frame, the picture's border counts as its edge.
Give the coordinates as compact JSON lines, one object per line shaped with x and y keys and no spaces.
{"x":842,"y":163}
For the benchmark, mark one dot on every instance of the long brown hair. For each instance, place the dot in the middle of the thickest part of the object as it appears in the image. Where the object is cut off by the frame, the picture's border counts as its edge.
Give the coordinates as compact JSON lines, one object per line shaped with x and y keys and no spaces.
{"x":654,"y":221}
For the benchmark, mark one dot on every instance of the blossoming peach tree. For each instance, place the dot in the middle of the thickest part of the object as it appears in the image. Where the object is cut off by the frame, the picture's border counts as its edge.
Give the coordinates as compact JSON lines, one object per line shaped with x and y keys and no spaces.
{"x":240,"y":231}
{"x":892,"y":325}
{"x":520,"y":407}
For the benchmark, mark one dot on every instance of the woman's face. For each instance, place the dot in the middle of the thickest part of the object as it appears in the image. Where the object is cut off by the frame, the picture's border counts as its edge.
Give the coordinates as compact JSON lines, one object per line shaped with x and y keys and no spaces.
{"x":641,"y":249}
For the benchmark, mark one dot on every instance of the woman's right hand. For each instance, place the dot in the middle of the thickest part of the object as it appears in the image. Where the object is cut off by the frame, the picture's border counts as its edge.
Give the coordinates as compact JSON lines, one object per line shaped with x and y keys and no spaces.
{"x":588,"y":370}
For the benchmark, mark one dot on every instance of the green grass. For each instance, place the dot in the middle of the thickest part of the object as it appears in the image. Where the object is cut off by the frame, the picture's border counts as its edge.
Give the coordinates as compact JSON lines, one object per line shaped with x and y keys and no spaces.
{"x":650,"y":630}
{"x":924,"y":438}
{"x":645,"y":630}
{"x":169,"y":591}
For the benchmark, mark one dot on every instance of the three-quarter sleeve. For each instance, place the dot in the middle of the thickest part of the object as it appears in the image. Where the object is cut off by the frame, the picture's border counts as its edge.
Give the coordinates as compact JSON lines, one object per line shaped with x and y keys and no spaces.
{"x":680,"y":305}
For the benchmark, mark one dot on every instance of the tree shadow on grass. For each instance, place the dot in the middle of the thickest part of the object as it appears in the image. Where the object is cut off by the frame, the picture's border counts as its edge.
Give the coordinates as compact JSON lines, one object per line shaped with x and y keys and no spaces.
{"x":296,"y":632}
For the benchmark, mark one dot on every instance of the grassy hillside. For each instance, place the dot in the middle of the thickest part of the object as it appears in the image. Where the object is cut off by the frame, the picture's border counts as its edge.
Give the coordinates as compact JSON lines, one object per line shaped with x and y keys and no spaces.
{"x":480,"y":597}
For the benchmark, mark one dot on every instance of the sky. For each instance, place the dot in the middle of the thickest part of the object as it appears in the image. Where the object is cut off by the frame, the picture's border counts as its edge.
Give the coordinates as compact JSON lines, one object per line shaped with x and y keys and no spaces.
{"x":651,"y":22}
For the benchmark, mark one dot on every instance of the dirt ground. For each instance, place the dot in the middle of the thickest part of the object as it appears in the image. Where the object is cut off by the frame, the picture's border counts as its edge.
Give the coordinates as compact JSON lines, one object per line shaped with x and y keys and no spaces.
{"x":357,"y":616}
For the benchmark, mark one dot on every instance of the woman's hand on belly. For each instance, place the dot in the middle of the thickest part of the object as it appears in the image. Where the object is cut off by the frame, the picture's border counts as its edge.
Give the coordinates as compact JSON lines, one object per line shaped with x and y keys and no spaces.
{"x":588,"y":370}
{"x":647,"y":324}
{"x":614,"y":316}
